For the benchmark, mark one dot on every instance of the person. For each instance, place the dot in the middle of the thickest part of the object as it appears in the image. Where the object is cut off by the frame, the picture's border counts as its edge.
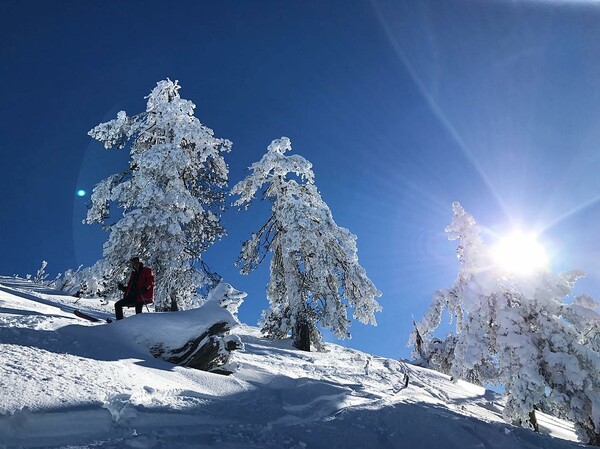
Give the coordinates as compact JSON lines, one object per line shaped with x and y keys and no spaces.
{"x":138,"y":291}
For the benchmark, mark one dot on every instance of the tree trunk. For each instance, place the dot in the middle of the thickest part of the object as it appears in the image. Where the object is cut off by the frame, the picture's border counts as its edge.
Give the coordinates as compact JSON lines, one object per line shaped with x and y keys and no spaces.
{"x":170,"y":306}
{"x":298,"y":308}
{"x":533,"y":421}
{"x":173,"y":306}
{"x":302,"y":335}
{"x":593,"y":437}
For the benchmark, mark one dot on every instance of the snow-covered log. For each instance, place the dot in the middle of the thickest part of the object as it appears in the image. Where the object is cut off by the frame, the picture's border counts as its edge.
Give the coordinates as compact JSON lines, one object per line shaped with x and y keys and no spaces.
{"x":209,"y":350}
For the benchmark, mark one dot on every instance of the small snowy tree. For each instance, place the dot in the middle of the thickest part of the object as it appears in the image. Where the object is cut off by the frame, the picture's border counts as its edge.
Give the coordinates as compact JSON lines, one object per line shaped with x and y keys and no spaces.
{"x":41,"y":275}
{"x":518,"y":332}
{"x":171,"y":196}
{"x":314,"y":264}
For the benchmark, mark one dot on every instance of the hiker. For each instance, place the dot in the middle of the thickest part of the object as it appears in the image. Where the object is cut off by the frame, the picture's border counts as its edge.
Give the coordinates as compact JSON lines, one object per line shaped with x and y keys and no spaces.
{"x":138,"y":291}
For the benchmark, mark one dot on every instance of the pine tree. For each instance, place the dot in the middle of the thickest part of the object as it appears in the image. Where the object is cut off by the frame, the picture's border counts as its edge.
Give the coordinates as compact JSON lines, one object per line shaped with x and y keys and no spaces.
{"x":520,"y":333}
{"x":314,"y":264}
{"x":171,"y":197}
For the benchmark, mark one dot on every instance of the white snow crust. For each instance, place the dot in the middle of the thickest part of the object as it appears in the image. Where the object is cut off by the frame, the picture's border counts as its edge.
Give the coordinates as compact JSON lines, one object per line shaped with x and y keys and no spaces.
{"x":67,"y":382}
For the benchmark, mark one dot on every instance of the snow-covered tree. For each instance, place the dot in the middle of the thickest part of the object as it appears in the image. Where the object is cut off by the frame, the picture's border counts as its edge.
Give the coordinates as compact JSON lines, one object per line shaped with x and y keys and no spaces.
{"x":41,"y":275}
{"x":434,"y":353}
{"x":171,"y":197}
{"x":519,"y":332}
{"x":572,"y":363}
{"x":314,"y":264}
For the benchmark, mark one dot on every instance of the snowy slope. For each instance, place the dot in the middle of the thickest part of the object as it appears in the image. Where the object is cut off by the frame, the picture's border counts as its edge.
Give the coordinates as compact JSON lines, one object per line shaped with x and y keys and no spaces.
{"x":66,"y":382}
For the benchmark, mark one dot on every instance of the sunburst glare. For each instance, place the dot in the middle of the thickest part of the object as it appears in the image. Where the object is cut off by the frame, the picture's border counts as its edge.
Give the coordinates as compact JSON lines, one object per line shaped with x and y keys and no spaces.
{"x":520,"y":253}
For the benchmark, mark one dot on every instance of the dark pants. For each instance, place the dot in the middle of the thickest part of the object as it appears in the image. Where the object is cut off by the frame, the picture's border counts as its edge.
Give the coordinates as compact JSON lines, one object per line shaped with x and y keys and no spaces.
{"x":127,"y":302}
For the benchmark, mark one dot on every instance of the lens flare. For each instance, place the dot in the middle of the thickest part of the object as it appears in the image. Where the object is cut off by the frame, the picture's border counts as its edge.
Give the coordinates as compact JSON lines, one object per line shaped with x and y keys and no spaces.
{"x":81,"y":193}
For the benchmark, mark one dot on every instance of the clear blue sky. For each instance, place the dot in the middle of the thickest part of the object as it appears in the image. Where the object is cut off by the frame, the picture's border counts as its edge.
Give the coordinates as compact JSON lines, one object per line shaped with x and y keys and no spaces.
{"x":402,"y":106}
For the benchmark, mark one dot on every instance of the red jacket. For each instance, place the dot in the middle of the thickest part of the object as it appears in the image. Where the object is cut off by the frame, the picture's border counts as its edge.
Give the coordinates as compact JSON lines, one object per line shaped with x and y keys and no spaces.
{"x":145,"y":286}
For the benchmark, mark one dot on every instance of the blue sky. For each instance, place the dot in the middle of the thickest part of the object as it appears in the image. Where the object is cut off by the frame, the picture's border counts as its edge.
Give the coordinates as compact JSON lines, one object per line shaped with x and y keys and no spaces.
{"x":403,"y":107}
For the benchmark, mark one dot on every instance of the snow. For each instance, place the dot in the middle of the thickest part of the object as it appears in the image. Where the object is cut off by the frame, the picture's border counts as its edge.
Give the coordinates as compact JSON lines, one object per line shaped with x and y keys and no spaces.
{"x":67,"y":382}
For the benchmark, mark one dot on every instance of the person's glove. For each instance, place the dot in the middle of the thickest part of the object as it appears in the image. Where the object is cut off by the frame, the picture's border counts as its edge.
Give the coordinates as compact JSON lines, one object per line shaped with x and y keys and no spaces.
{"x":121,"y":286}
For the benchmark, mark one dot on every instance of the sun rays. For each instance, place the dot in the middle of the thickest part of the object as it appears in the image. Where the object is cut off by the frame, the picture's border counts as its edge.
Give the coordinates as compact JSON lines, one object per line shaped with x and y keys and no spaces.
{"x":519,"y":253}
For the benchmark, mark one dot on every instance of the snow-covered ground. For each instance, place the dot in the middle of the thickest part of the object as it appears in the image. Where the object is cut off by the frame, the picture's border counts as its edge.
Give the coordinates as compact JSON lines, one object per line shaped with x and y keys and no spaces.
{"x":67,"y":382}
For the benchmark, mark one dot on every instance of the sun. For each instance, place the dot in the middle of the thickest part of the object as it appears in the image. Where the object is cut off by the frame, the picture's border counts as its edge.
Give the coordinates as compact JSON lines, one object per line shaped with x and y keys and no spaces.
{"x":520,"y":253}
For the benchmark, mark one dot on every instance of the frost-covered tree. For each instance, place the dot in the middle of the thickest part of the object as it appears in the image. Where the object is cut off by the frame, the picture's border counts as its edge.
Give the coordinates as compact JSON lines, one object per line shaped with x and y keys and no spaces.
{"x":519,"y":332}
{"x":314,"y":264}
{"x":572,"y":363}
{"x":434,"y":353}
{"x":472,"y":257}
{"x":171,"y":197}
{"x":41,"y":275}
